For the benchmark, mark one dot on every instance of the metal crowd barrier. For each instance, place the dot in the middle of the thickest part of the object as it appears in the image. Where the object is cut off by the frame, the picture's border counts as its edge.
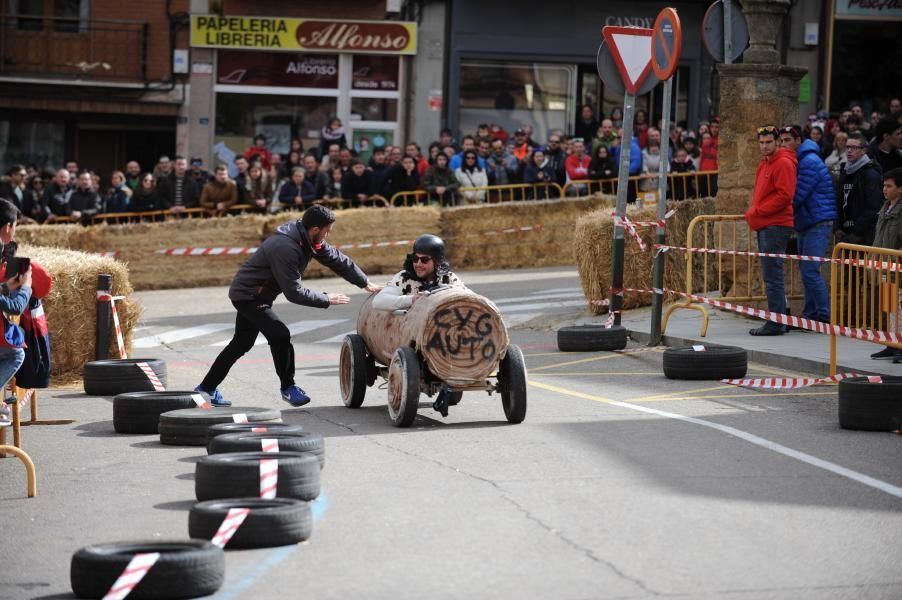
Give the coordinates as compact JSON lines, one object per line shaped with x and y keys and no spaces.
{"x":726,"y":275}
{"x":864,"y":291}
{"x":681,"y":186}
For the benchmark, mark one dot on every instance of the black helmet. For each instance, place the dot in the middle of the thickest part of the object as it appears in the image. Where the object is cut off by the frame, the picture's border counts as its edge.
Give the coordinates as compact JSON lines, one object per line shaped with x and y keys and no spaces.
{"x":432,"y":245}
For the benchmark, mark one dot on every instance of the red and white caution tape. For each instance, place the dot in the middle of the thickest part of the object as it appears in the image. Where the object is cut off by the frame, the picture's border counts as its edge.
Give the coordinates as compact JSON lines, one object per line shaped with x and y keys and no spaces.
{"x":134,"y":572}
{"x":200,"y":401}
{"x":889,"y":267}
{"x":783,"y":383}
{"x":154,"y":380}
{"x":513,"y":230}
{"x":217,"y":251}
{"x":26,"y":397}
{"x":230,"y":525}
{"x":658,"y":223}
{"x":270,"y":444}
{"x":269,"y":477}
{"x":631,"y":229}
{"x":259,"y":429}
{"x":120,"y":342}
{"x":239,"y":418}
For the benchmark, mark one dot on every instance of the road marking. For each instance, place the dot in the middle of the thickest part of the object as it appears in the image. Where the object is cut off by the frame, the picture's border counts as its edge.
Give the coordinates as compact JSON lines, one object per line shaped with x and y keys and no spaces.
{"x":338,"y":339}
{"x":814,"y":461}
{"x":295,"y":329}
{"x":178,"y":335}
{"x":580,"y":361}
{"x":542,"y":305}
{"x":665,"y":396}
{"x":531,"y":297}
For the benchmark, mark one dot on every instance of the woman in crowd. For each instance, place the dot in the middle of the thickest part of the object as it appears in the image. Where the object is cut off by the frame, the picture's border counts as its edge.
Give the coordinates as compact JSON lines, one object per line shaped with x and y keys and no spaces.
{"x":120,"y":195}
{"x":143,"y":200}
{"x":837,"y":158}
{"x":440,"y":182}
{"x":690,"y":143}
{"x":434,"y":149}
{"x":539,"y":170}
{"x":403,"y":177}
{"x":640,"y":128}
{"x":651,"y":164}
{"x":587,"y":124}
{"x":817,"y":136}
{"x":259,"y":187}
{"x":332,"y":133}
{"x":602,"y":168}
{"x":471,"y":175}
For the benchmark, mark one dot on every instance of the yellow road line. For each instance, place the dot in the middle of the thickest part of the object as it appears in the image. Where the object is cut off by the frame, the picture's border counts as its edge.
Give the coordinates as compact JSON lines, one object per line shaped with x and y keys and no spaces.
{"x":566,"y":392}
{"x":593,"y":374}
{"x":722,"y":386}
{"x":590,"y":359}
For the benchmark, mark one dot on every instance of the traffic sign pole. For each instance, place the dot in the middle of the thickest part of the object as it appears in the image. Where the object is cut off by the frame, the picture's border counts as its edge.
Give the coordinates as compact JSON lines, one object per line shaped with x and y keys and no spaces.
{"x":728,"y":31}
{"x":623,"y":182}
{"x":657,"y":300}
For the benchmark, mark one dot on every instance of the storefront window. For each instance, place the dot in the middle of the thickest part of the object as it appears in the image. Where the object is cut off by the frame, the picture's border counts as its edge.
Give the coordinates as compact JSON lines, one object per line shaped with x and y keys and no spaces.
{"x":374,"y":109}
{"x":318,"y":71}
{"x":40,"y":143}
{"x":511,"y":95}
{"x":375,"y":73}
{"x":239,"y":117}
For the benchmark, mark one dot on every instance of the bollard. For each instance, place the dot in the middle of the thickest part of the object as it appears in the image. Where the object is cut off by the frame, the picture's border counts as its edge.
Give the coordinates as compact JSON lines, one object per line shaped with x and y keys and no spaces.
{"x":104,"y":317}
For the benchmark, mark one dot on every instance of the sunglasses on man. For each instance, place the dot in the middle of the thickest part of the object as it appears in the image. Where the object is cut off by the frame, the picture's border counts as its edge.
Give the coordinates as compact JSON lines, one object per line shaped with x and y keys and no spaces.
{"x":422,"y":259}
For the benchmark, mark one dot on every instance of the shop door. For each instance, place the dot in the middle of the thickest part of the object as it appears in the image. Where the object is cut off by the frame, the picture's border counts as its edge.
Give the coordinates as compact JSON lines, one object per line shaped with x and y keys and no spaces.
{"x":99,"y":150}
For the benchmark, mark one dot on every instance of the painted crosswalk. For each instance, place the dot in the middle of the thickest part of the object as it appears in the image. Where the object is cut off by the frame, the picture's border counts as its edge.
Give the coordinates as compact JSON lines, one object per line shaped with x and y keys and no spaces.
{"x":514,"y":311}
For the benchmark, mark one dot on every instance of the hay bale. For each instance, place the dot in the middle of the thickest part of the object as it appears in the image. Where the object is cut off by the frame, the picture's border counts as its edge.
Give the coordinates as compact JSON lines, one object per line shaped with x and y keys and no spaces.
{"x":470,"y":247}
{"x":592,"y":247}
{"x":71,"y":306}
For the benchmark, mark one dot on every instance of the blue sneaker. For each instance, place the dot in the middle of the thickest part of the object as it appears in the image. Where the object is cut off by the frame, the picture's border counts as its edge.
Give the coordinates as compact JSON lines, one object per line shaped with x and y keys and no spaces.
{"x":295,"y":396}
{"x":216,"y":398}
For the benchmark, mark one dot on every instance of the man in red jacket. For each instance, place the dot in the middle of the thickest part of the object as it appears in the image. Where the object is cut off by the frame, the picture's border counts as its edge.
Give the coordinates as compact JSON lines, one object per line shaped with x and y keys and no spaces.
{"x":770,"y":216}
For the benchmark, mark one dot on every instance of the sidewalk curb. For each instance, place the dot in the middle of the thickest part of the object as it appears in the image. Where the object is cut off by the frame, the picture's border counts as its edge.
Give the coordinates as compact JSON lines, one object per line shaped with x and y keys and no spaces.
{"x":770,"y":359}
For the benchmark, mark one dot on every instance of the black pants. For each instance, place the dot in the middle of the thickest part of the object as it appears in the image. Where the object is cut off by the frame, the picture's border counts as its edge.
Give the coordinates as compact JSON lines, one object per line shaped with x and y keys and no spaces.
{"x":254,"y":318}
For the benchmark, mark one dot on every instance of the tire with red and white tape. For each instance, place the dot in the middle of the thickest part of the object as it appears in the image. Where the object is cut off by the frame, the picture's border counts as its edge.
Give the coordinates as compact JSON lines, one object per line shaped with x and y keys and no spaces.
{"x":139,"y":412}
{"x":112,"y":377}
{"x":224,"y":428}
{"x":148,"y":570}
{"x":238,"y":475}
{"x":302,"y":441}
{"x":702,"y":362}
{"x":266,"y":524}
{"x":188,"y":426}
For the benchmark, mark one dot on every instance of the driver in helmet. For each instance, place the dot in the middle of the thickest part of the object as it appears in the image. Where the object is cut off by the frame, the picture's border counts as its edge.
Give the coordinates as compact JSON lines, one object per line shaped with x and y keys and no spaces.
{"x":425,"y":269}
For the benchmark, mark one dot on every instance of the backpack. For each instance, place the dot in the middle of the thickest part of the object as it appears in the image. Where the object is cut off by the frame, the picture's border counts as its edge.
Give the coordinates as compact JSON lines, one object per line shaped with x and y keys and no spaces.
{"x":35,"y":371}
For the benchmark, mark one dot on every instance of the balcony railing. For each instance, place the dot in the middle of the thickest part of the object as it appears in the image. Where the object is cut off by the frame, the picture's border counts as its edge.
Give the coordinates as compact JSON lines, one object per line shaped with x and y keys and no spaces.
{"x":73,"y":48}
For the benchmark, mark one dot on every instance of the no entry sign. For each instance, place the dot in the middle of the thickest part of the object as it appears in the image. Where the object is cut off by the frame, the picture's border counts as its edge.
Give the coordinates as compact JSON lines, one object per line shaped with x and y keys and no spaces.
{"x":667,"y":40}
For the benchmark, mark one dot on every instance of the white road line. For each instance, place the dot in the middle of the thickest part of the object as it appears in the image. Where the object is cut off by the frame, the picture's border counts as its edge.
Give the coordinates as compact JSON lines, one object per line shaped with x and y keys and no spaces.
{"x":541,"y":306}
{"x":532,"y":297}
{"x":336,"y":339}
{"x":570,"y":290}
{"x":178,"y":335}
{"x":514,"y":320}
{"x":295,"y":329}
{"x":814,"y":461}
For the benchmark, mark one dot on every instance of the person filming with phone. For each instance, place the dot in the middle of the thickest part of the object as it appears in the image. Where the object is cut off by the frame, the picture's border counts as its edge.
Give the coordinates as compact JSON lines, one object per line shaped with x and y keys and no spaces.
{"x":15,"y":291}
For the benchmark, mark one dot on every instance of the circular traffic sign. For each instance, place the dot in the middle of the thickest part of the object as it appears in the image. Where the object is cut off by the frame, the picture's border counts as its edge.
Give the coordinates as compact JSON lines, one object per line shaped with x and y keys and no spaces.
{"x":666,"y":42}
{"x":610,"y":75}
{"x":713,"y":28}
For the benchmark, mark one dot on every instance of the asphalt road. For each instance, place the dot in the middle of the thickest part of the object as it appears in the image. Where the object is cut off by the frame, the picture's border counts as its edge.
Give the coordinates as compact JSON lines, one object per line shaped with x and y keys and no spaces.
{"x":619,"y":484}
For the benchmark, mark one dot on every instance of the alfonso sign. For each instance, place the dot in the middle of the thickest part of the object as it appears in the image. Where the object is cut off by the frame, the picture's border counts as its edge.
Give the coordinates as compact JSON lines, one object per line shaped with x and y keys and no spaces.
{"x":308,"y":35}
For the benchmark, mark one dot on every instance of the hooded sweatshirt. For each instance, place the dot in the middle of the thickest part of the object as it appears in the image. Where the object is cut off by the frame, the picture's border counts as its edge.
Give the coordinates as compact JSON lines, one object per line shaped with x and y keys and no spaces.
{"x":279,"y":263}
{"x":775,"y":187}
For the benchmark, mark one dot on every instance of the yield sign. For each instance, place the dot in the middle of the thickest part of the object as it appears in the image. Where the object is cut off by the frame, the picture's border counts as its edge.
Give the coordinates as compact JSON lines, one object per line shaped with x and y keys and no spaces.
{"x":631,"y":49}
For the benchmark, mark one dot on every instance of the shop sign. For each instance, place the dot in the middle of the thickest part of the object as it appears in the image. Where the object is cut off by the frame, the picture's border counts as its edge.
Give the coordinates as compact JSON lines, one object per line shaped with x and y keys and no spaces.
{"x":284,"y":70}
{"x":375,"y":73}
{"x":878,"y":9}
{"x":308,"y":35}
{"x":630,"y":21}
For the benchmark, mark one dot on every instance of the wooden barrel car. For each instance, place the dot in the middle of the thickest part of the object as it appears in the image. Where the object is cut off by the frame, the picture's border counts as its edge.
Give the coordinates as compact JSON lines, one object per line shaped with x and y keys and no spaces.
{"x":449,"y":336}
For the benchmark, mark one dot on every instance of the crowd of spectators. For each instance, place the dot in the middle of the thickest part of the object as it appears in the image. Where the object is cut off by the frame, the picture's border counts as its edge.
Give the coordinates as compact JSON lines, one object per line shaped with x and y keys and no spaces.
{"x":450,"y":172}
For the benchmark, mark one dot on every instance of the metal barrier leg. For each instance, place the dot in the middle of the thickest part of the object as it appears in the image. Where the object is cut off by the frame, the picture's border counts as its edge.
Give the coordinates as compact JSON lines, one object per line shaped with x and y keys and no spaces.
{"x":29,"y":467}
{"x":20,"y":393}
{"x":691,"y":306}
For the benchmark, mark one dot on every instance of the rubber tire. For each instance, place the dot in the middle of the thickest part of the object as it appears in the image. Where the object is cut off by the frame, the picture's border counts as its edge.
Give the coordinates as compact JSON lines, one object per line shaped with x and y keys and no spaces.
{"x":512,"y":375}
{"x":591,"y":338}
{"x":714,"y":363}
{"x":139,"y":412}
{"x":223,"y":428}
{"x":188,"y":427}
{"x":352,"y":369}
{"x":237,"y":475}
{"x":866,"y":406}
{"x":304,"y":442}
{"x":185,"y":569}
{"x":119,"y":376}
{"x":270,"y":523}
{"x":406,"y":365}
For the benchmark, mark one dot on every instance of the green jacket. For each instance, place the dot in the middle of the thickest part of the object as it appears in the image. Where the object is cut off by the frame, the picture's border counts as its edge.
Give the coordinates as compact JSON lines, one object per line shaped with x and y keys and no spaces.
{"x":889,"y":226}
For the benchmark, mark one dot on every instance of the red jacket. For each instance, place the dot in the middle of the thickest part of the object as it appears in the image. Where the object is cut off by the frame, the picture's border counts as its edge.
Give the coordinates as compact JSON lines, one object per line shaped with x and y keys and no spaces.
{"x":709,"y":154}
{"x":775,"y":186}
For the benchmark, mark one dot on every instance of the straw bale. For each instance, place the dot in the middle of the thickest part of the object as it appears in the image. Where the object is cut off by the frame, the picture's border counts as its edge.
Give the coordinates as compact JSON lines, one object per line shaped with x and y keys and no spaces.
{"x":592,"y":247}
{"x":71,"y":306}
{"x":473,"y":244}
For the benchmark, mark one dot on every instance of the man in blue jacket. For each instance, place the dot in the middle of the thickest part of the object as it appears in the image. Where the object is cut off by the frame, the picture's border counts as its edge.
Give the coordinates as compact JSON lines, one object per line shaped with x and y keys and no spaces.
{"x":814,"y":210}
{"x":276,"y":268}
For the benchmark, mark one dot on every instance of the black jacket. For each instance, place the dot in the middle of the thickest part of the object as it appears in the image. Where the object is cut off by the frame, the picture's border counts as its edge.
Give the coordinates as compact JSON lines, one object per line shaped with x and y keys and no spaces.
{"x":87,"y":202}
{"x":859,"y":197}
{"x":398,"y":180}
{"x":279,"y":263}
{"x":166,"y":192}
{"x":55,"y":200}
{"x":352,"y":185}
